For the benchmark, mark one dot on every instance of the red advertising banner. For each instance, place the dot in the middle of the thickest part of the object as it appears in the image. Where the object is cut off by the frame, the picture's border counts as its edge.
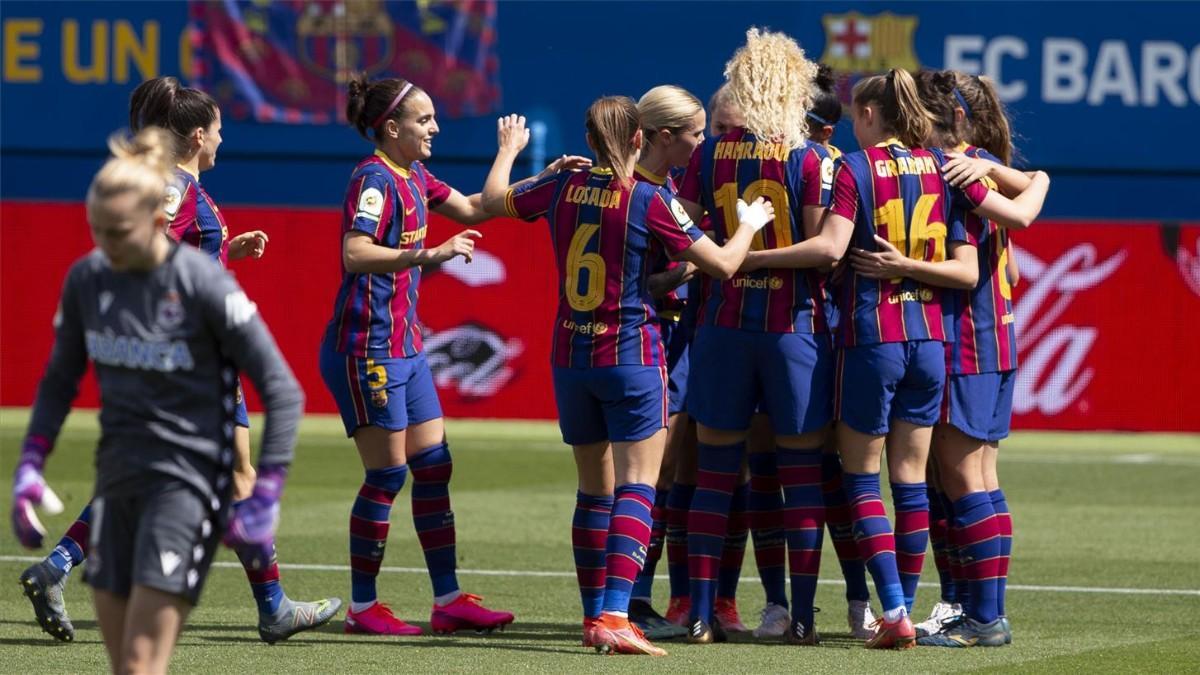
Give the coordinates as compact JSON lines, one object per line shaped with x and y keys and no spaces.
{"x":1107,"y":314}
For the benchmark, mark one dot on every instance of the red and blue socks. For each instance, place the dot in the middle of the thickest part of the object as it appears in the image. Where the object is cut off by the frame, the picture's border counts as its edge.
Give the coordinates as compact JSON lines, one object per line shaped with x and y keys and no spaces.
{"x":434,"y":521}
{"x":708,"y":521}
{"x":841,"y":528}
{"x":589,"y":539}
{"x":679,"y":502}
{"x":72,"y":549}
{"x":804,"y":524}
{"x":939,"y":540}
{"x":765,"y":508}
{"x":1004,"y":523}
{"x":734,"y":552}
{"x":369,"y":530}
{"x":977,"y":533}
{"x":625,"y":551}
{"x":262,"y":571}
{"x":644,"y":586}
{"x":912,"y":535}
{"x":873,"y":534}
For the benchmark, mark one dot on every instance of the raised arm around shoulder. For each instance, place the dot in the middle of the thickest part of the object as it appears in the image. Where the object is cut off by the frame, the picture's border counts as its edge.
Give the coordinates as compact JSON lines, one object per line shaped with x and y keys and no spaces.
{"x":511,"y":138}
{"x":1020,"y":212}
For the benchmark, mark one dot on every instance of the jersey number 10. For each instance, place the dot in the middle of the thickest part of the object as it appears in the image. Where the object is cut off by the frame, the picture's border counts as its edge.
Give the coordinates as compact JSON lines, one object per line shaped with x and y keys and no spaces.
{"x":726,"y":198}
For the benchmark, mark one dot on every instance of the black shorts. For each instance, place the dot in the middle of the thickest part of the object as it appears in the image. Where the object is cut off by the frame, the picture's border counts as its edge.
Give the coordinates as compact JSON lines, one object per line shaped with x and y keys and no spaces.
{"x":163,"y":537}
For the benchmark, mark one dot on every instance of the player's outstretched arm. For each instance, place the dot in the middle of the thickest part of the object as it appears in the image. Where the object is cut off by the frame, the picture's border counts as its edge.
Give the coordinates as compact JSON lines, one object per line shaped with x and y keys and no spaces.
{"x":56,"y":392}
{"x":821,"y":251}
{"x":361,"y":255}
{"x":464,"y":209}
{"x":722,"y":262}
{"x":1017,"y":213}
{"x":961,"y":170}
{"x":960,"y":270}
{"x":511,"y":139}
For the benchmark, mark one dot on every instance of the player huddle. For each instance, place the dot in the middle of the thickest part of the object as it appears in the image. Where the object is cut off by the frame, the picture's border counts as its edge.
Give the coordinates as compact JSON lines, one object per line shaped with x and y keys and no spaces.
{"x":747,"y":319}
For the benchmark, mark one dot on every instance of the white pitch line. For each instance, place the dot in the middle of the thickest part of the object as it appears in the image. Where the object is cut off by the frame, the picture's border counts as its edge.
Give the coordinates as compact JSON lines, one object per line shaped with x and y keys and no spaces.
{"x":571,"y":575}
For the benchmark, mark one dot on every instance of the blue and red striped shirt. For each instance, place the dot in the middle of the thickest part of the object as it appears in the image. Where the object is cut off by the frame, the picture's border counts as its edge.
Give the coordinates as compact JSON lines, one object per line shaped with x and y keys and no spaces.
{"x":195,"y":219}
{"x":671,"y":305}
{"x":739,"y":166}
{"x":899,"y":194}
{"x":603,"y":233}
{"x":375,"y":315}
{"x":984,"y":334}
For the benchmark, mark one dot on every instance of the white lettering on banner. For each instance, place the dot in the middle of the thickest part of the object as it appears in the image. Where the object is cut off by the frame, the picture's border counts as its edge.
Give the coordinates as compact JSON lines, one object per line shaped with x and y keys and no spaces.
{"x":1063,"y":61}
{"x":1136,"y":74}
{"x":1113,"y":75}
{"x":1053,"y":374}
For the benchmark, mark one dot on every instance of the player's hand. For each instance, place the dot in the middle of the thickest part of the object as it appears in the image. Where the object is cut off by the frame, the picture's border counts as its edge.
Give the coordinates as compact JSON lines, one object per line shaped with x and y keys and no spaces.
{"x":248,"y":245}
{"x":962,"y":170}
{"x":886,"y":263}
{"x":755,"y":215}
{"x":30,"y":491}
{"x":511,"y":133}
{"x":462,"y":244}
{"x":566,"y":163}
{"x":255,"y":518}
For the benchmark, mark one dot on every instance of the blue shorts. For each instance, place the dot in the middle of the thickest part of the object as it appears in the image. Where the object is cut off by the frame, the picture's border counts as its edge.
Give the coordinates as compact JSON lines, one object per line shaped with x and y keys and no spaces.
{"x":390,"y":393}
{"x":893,"y":380}
{"x":617,"y":403}
{"x":789,"y":374}
{"x":980,"y":405}
{"x":676,"y":342}
{"x":241,"y":416}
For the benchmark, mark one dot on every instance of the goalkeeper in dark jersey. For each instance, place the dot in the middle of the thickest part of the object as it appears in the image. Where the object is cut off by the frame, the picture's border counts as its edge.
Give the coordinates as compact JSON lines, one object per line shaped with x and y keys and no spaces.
{"x":167,"y":330}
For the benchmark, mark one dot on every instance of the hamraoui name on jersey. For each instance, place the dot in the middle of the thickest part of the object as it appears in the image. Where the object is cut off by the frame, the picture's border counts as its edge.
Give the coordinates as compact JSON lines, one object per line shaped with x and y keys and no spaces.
{"x":125,"y":351}
{"x":1148,"y":73}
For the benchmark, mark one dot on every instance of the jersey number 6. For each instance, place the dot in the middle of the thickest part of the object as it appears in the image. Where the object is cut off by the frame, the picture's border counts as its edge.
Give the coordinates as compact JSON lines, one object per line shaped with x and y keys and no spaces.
{"x":578,"y":261}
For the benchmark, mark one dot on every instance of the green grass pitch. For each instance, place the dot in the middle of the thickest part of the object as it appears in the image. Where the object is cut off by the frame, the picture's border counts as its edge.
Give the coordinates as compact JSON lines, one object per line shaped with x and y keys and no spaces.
{"x":1098,"y":518}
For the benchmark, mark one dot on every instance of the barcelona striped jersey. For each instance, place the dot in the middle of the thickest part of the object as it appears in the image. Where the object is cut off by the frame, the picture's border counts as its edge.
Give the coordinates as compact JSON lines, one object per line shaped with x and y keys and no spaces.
{"x":195,"y":219}
{"x":375,"y":315}
{"x":898,"y":194}
{"x":984,"y":334}
{"x":736,"y":166}
{"x":603,"y":234}
{"x":671,"y":305}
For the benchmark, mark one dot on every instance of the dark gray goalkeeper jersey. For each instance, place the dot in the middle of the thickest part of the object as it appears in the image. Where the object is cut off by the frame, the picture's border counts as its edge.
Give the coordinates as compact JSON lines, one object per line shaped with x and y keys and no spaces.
{"x":167,"y":346}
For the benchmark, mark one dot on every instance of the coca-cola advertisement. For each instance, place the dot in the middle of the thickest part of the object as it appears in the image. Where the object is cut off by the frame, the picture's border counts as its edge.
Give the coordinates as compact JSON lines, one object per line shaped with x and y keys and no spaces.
{"x":1107,"y":314}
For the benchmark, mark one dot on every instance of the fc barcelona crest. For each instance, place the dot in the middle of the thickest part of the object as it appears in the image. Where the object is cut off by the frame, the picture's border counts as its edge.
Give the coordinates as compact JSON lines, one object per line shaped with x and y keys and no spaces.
{"x":857,"y":45}
{"x":337,"y":39}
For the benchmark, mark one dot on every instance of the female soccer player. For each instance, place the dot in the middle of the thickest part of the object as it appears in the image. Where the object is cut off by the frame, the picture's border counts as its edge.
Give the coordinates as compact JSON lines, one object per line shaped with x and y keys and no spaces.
{"x":194,"y":122}
{"x":762,"y":334}
{"x":981,"y":365}
{"x":822,"y":119}
{"x":891,"y":366}
{"x":372,"y":360}
{"x":673,"y":124}
{"x":609,"y":366}
{"x":166,"y":328}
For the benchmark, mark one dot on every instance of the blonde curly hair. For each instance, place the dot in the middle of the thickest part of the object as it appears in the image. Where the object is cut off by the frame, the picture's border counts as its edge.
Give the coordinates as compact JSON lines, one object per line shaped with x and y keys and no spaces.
{"x":772,"y":83}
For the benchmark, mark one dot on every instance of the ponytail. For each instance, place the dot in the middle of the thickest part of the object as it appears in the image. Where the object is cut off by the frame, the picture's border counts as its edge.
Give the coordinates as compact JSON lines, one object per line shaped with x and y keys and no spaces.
{"x":370,"y":104}
{"x":143,"y":164}
{"x":938,"y":93}
{"x":612,"y":122}
{"x":164,"y":102}
{"x":899,"y":105}
{"x":987,"y":122}
{"x":827,"y":108}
